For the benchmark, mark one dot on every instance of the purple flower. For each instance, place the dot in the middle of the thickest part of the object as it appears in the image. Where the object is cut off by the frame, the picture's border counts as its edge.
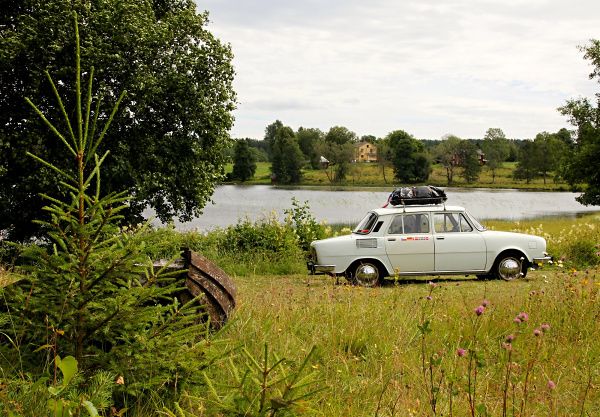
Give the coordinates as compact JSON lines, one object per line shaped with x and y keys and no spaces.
{"x":485,"y":303}
{"x":545,"y":327}
{"x":523,"y":316}
{"x":479,"y":310}
{"x":429,"y":297}
{"x":510,"y":338}
{"x":461,"y":352}
{"x":517,"y":320}
{"x":537,"y":332}
{"x":551,"y":384}
{"x":432,"y":284}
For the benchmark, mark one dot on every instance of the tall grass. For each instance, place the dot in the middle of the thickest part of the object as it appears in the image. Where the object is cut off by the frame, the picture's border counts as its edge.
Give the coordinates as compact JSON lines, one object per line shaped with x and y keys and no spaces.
{"x":371,"y":360}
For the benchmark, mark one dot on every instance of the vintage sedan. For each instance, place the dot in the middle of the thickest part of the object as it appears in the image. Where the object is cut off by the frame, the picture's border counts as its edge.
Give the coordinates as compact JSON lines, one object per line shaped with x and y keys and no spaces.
{"x":425,"y":240}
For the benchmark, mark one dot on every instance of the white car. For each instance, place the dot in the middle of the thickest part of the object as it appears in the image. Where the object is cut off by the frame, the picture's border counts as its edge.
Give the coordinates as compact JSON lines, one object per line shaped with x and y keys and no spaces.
{"x":425,"y":240}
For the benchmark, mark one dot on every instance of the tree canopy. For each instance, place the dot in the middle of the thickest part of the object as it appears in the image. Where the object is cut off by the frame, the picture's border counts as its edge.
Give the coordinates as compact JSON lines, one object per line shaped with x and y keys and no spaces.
{"x":408,"y":157}
{"x":244,"y":161}
{"x":582,"y":164}
{"x":167,"y":148}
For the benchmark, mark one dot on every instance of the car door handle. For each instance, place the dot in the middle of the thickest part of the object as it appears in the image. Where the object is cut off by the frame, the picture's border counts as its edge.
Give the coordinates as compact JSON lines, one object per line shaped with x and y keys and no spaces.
{"x":391,"y":239}
{"x":440,"y":238}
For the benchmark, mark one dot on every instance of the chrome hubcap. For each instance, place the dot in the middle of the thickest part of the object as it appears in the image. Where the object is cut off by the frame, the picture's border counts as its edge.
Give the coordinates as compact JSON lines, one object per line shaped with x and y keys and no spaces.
{"x":509,"y":269}
{"x":367,"y":275}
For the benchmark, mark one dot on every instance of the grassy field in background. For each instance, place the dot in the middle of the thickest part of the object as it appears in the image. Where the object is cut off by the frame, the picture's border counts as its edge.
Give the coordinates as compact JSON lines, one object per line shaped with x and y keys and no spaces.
{"x":370,"y":174}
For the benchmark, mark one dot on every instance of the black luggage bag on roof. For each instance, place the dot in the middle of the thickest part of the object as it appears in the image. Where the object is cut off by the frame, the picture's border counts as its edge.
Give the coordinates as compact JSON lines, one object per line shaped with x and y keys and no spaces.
{"x":410,"y":196}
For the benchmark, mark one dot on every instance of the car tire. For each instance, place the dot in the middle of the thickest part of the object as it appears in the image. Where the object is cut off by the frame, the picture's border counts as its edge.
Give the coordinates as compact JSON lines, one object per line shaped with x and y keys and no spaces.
{"x":510,"y":266}
{"x":366,"y":274}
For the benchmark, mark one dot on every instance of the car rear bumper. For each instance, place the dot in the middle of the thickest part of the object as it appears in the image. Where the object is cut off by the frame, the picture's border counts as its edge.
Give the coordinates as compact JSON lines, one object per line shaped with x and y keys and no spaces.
{"x":543,"y":260}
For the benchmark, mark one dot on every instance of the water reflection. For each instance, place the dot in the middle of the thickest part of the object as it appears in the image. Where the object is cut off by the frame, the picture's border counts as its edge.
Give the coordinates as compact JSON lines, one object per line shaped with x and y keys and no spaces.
{"x":232,"y":202}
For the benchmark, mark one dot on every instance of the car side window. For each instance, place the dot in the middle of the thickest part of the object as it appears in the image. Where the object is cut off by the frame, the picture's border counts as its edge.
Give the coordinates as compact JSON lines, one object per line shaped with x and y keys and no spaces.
{"x":464,"y":224}
{"x":409,"y":224}
{"x":396,"y":226}
{"x":451,"y":223}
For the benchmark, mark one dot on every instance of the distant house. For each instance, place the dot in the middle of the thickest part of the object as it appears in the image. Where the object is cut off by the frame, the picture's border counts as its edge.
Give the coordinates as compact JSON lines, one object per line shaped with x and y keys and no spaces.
{"x":365,"y":152}
{"x":458,"y":158}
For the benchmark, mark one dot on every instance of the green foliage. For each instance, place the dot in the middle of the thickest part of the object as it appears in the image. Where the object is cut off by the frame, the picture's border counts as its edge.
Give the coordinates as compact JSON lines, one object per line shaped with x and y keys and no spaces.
{"x":583,"y":253}
{"x":92,"y":293}
{"x":266,"y":386}
{"x":411,"y":165}
{"x":306,"y":226}
{"x":445,"y":153}
{"x":309,"y":140}
{"x":167,"y":152}
{"x":287,"y":158}
{"x":496,"y":149}
{"x":468,"y":159}
{"x":69,"y":394}
{"x":244,"y":161}
{"x":581,"y":166}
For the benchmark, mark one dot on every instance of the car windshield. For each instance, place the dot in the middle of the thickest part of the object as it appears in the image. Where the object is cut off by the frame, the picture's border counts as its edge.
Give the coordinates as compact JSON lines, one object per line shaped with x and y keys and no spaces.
{"x":366,"y":224}
{"x":477,"y":225}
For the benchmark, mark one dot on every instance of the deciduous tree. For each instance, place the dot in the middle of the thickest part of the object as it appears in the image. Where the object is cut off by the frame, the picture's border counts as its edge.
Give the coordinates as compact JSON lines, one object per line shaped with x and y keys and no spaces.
{"x":496,"y":149}
{"x":287,"y":158}
{"x":584,"y":114}
{"x":168,"y":150}
{"x":411,"y":164}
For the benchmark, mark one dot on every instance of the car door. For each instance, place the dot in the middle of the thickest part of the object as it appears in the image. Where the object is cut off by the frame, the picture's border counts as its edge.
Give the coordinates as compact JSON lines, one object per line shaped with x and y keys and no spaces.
{"x":409,"y":243}
{"x":458,"y":246}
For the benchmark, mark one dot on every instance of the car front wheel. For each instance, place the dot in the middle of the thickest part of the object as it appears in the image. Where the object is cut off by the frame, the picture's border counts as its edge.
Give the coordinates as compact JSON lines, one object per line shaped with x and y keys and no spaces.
{"x":510,"y":266}
{"x":366,"y":274}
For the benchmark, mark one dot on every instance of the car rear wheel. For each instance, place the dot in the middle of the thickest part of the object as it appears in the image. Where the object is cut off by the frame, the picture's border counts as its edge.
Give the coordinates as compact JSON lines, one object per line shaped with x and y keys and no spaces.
{"x":510,"y":266}
{"x":366,"y":274}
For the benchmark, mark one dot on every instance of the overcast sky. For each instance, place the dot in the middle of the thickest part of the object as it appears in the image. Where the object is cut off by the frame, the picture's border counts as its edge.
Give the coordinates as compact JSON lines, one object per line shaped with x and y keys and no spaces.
{"x":429,"y":67}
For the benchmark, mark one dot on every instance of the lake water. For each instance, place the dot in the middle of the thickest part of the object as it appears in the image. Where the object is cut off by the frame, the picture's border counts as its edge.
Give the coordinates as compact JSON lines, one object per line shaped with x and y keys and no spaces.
{"x":232,"y":202}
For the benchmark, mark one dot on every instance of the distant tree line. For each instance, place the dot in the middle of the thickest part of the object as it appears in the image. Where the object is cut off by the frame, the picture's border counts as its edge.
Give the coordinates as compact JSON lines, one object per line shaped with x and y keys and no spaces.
{"x":409,"y":158}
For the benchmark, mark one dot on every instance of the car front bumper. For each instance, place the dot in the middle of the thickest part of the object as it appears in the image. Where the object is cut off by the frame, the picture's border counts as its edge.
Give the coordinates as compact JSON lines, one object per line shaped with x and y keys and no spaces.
{"x":315,"y":269}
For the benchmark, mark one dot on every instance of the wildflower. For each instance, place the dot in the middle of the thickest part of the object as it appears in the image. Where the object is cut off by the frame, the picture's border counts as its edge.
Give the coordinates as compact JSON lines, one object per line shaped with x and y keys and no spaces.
{"x":510,"y":338}
{"x":537,"y":332}
{"x":432,"y":284}
{"x":551,"y":384}
{"x":485,"y":303}
{"x":545,"y":327}
{"x":523,"y":316}
{"x":429,"y":298}
{"x":517,"y":320}
{"x":460,"y":352}
{"x":507,"y":346}
{"x":479,"y":310}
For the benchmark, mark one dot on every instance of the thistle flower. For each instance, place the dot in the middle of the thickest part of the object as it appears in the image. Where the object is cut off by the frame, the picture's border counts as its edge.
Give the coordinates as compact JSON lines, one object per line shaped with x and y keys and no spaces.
{"x":545,"y":327}
{"x":429,"y":298}
{"x":523,"y":316}
{"x":510,"y":338}
{"x":537,"y":332}
{"x":551,"y":384}
{"x":485,"y":303}
{"x":460,"y":352}
{"x":479,"y":310}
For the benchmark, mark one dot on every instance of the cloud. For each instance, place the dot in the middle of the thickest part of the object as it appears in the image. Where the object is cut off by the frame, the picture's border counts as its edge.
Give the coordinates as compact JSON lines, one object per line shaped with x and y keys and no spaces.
{"x":425,"y":66}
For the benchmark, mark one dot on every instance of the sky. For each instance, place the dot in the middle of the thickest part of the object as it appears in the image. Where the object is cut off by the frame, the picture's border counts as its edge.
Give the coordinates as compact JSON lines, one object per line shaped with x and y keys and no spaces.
{"x":429,"y":67}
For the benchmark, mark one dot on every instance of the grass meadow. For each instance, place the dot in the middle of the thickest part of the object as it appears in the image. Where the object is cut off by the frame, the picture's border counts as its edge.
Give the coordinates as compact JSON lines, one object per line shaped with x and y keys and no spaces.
{"x":374,"y":358}
{"x":434,"y":346}
{"x":316,"y":346}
